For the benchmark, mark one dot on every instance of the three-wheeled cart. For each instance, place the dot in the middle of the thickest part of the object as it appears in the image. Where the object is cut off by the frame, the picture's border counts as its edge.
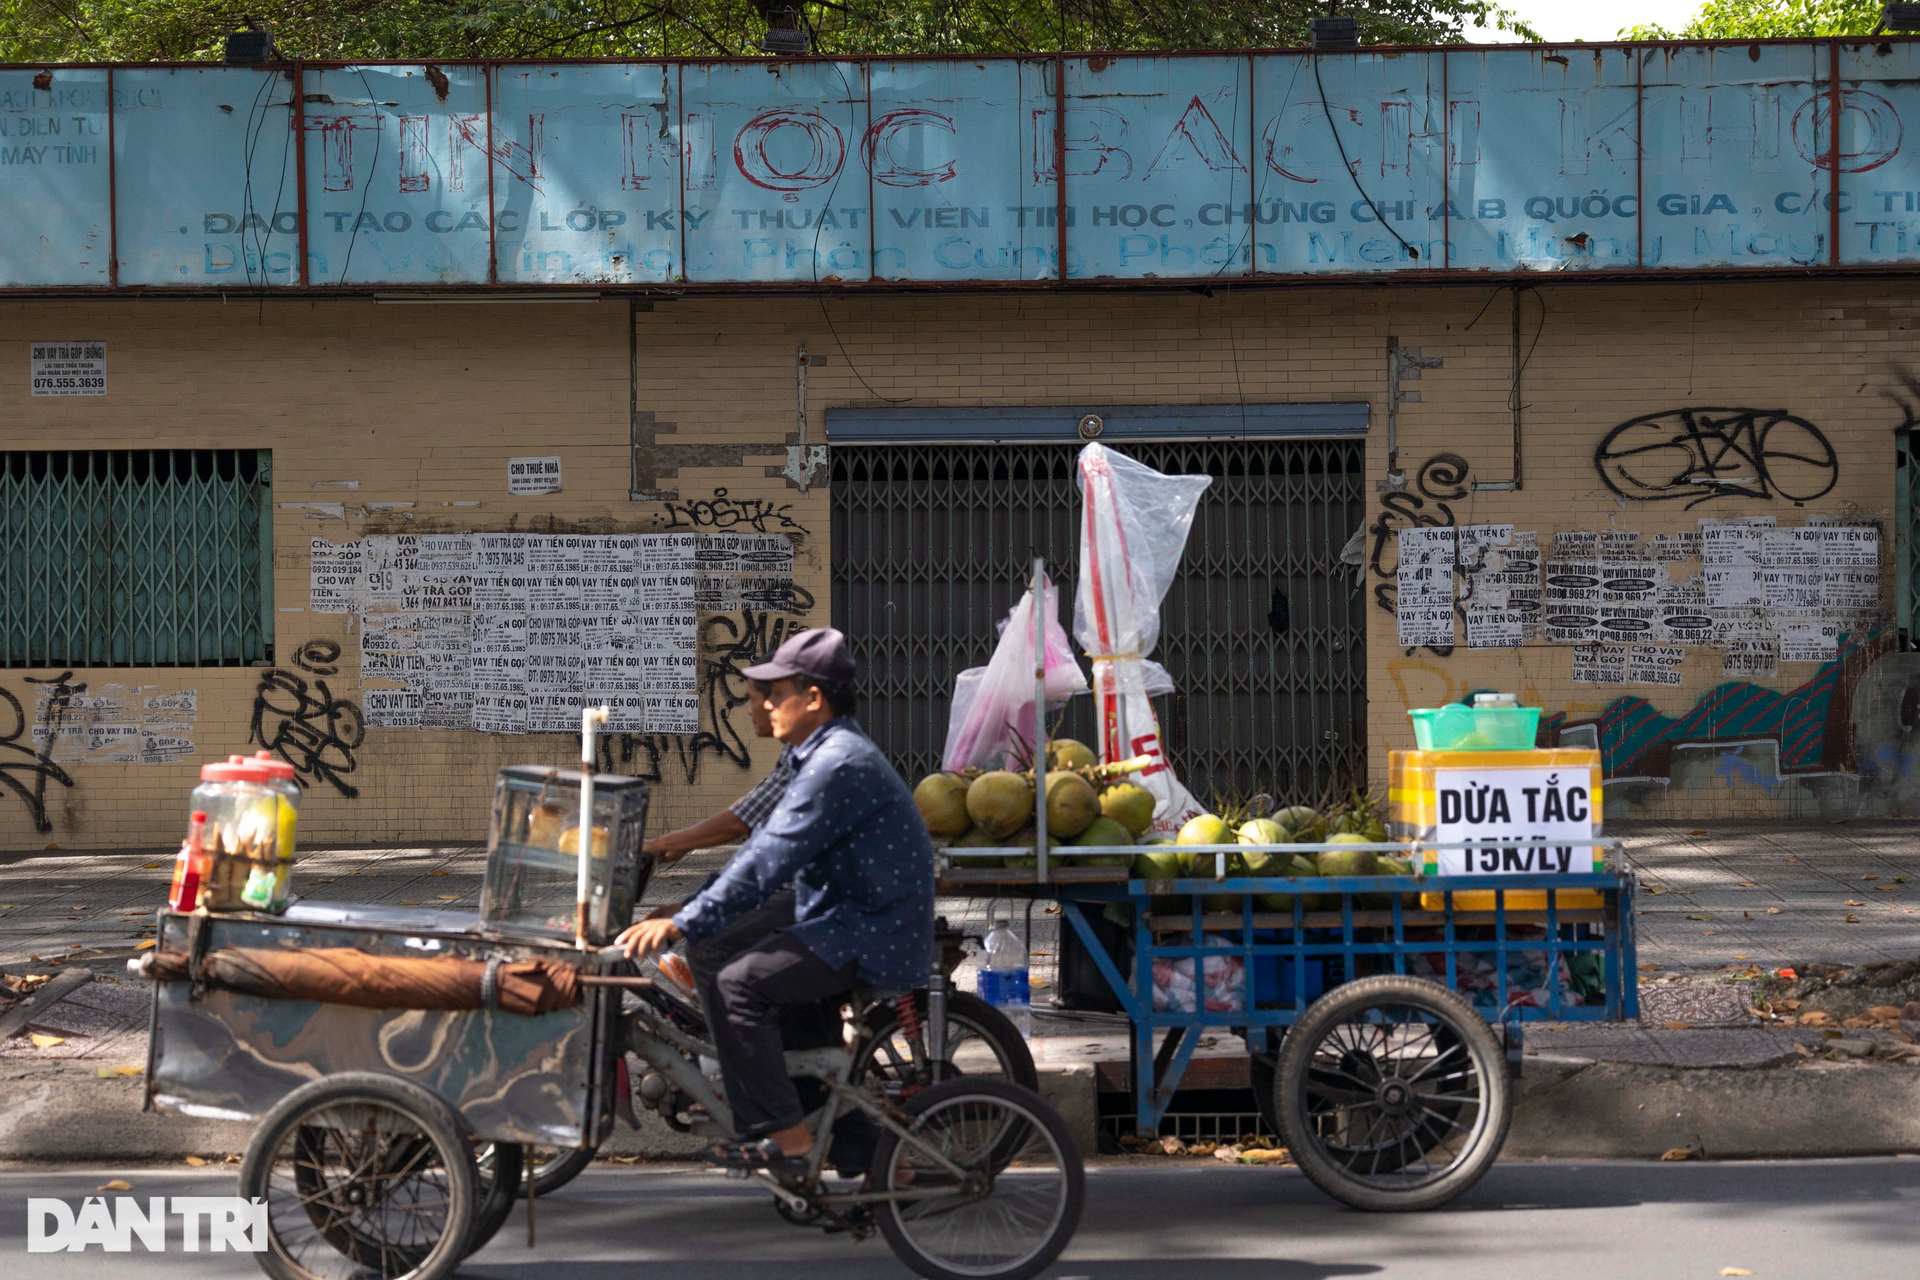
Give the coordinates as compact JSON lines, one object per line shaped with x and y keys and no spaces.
{"x":1383,"y":1015}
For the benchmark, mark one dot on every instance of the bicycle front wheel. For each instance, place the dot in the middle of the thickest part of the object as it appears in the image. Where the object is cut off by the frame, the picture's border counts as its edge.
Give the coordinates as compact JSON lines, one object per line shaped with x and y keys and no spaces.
{"x":996,"y":1180}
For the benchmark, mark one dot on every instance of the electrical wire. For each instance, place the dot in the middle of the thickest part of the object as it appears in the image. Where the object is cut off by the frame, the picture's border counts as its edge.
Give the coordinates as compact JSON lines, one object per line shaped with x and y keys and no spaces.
{"x":250,"y":139}
{"x":372,"y":168}
{"x":1348,"y":164}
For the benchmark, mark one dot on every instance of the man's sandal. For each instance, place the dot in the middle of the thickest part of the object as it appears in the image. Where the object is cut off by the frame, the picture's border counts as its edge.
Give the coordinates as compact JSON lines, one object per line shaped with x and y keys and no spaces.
{"x":764,"y":1153}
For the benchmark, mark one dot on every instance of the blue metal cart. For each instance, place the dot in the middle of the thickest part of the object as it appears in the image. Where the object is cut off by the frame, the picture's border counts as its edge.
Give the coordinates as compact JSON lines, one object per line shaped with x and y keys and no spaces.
{"x":1387,"y":1083}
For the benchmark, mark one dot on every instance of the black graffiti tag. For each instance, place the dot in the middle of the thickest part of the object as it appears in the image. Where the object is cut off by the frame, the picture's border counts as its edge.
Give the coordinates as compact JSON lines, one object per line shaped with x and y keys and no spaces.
{"x":1703,"y":454}
{"x":307,"y":726}
{"x":722,"y":512}
{"x":28,"y":777}
{"x":1440,"y":479}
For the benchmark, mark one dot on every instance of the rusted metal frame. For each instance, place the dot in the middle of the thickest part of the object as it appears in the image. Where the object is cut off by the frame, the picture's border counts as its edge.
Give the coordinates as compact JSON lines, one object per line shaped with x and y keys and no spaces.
{"x":1887,"y":37}
{"x":680,"y":106}
{"x":493,"y":208}
{"x":300,"y":164}
{"x":113,"y":196}
{"x":1833,"y":154}
{"x":1060,"y":160}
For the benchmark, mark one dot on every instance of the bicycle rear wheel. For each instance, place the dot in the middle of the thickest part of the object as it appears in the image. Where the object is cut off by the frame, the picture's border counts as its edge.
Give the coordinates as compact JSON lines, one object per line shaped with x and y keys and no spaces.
{"x":1015,"y":1201}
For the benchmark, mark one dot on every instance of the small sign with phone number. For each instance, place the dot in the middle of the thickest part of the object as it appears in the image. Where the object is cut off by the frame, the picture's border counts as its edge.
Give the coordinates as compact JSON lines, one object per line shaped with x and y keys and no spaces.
{"x":68,"y":368}
{"x":1507,"y":814}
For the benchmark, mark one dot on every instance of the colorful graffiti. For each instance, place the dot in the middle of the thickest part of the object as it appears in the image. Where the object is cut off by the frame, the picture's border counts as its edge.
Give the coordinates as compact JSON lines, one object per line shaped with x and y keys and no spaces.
{"x":1845,"y":742}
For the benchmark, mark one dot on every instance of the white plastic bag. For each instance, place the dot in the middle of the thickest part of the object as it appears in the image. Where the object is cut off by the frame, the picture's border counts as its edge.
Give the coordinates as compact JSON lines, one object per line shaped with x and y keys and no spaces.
{"x":1133,"y":533}
{"x":1223,"y":987}
{"x":994,"y":704}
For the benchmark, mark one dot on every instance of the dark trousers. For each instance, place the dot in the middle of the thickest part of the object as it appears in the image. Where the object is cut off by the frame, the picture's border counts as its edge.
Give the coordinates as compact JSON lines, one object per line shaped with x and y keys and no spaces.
{"x":745,"y":1001}
{"x":802,"y":1026}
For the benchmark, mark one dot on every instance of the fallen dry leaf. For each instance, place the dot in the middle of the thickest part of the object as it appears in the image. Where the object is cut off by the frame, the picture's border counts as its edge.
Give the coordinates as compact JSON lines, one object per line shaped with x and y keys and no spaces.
{"x":1706,"y":933}
{"x":1851,"y":920}
{"x":1788,"y":1004}
{"x":1679,"y":1026}
{"x":1678,"y":1153}
{"x":1269,"y":1155}
{"x":1738,"y":956}
{"x":1228,"y":1153}
{"x":441,"y":873}
{"x":1856,"y":1023}
{"x":1870,"y":876}
{"x":1884,"y":1012}
{"x":196,"y":1161}
{"x":118,"y":1184}
{"x":1748,"y":884}
{"x":408,"y":902}
{"x":149,"y":866}
{"x":104,"y":1073}
{"x":447,"y":897}
{"x":129,"y":1071}
{"x":1737,"y":1271}
{"x":1700,"y":832}
{"x":1710,"y":917}
{"x":1852,"y":903}
{"x":1816,"y":1018}
{"x":1831,"y":1034}
{"x":46,"y":1042}
{"x":142,"y":946}
{"x":1884,"y":888}
{"x":1773,"y":911}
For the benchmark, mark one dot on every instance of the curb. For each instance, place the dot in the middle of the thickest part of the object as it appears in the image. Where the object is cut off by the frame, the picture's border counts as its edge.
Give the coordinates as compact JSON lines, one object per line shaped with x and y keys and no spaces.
{"x":1564,"y":1109}
{"x":1577,"y":1110}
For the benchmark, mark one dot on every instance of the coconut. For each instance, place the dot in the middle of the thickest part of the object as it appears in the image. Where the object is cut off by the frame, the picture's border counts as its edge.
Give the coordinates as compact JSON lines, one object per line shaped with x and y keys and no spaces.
{"x":1065,"y":753}
{"x":1261,"y":831}
{"x":1103,"y":831}
{"x":1205,"y":829}
{"x":1304,"y":821}
{"x":1348,"y":862}
{"x":974,"y":838}
{"x":1000,"y":802}
{"x":1160,"y":866}
{"x":1129,"y":805}
{"x":1071,"y":804}
{"x":942,"y":801}
{"x":1027,"y":838}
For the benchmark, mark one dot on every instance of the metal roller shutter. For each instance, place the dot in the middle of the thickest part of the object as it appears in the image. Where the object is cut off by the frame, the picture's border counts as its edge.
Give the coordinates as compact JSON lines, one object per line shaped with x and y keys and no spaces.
{"x":931,"y":544}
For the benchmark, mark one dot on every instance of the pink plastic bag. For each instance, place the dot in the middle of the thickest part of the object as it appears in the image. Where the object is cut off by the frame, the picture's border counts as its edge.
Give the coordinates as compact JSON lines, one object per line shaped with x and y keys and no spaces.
{"x":994,"y":704}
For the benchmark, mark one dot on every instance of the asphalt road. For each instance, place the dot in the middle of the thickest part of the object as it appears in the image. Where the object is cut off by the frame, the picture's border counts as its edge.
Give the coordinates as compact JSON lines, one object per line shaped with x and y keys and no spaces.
{"x":1815,"y":1219}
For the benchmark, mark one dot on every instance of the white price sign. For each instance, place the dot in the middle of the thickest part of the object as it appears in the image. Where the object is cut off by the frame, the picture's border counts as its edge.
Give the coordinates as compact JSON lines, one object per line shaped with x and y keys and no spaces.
{"x":533,"y":476}
{"x":1506,"y":814}
{"x":68,"y":368}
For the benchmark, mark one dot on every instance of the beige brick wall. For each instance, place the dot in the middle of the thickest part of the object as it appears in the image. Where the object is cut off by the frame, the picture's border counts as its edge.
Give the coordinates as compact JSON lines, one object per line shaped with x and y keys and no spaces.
{"x":424,"y":404}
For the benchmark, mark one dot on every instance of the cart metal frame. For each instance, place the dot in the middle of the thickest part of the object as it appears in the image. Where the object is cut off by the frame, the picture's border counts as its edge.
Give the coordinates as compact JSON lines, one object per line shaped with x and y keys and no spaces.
{"x":1301,"y":935}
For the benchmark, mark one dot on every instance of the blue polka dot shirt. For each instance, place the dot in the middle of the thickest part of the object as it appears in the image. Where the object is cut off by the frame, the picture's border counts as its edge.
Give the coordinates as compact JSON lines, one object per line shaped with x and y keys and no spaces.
{"x":850,"y":840}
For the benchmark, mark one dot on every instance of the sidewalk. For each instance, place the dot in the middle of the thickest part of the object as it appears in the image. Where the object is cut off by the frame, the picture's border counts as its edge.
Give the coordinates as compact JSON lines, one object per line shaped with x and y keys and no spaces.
{"x":1747,"y":897}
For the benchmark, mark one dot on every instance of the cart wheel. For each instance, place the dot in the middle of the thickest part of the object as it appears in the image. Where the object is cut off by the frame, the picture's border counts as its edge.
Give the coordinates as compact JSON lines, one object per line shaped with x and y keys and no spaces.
{"x":553,"y":1167}
{"x":497,"y":1167}
{"x":1019,"y":1201}
{"x":362,"y":1173}
{"x":1392,"y":1094}
{"x":982,"y":1043}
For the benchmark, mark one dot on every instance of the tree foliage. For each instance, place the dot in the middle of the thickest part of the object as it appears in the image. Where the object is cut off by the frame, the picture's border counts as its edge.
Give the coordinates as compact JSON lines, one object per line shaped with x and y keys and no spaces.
{"x":1769,"y":19}
{"x":131,"y":30}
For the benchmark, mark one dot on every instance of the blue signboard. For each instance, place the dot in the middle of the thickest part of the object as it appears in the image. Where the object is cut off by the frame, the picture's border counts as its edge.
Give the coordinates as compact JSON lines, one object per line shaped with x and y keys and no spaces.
{"x":1034,"y":170}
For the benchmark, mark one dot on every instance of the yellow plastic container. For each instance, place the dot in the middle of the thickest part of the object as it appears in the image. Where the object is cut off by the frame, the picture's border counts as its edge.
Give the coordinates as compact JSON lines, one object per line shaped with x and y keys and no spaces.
{"x":1413,"y":798}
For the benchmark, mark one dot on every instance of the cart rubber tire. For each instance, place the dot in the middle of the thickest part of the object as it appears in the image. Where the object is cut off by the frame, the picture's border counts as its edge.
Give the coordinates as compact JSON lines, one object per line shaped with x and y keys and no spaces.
{"x":438,"y":1124}
{"x":501,"y":1188}
{"x":975,"y":1015}
{"x":1052,"y":1132}
{"x":566,"y":1165}
{"x":1464,"y":1038}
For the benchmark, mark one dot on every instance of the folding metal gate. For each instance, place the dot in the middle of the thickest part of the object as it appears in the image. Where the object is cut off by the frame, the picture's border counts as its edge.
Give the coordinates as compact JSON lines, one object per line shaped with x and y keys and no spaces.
{"x":1263,"y":631}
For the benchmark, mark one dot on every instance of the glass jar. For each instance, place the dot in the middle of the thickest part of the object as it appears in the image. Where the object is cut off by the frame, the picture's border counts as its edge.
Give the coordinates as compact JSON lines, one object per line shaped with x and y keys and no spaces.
{"x":252,"y":810}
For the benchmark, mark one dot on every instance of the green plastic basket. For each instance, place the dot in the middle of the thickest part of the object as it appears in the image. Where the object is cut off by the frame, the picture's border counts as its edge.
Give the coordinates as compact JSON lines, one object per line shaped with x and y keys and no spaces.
{"x":1458,"y":727}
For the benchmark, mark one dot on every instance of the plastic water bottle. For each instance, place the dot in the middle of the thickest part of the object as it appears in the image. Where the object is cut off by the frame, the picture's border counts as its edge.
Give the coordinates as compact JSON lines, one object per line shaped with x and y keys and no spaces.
{"x":1003,"y":982}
